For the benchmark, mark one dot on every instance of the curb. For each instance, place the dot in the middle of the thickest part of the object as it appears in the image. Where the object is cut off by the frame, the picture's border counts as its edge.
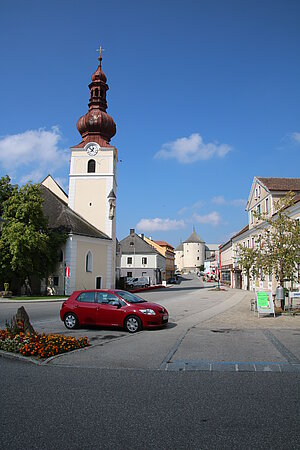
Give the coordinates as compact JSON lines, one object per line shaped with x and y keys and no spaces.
{"x":38,"y":300}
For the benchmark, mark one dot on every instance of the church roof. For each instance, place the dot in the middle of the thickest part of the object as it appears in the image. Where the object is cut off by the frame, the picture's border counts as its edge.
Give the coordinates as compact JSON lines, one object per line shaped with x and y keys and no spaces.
{"x":61,"y":216}
{"x":194,"y":238}
{"x":134,"y":244}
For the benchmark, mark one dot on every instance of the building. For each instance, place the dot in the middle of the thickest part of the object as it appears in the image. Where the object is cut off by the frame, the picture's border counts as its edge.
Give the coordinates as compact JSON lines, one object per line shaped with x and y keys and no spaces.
{"x":191,"y":254}
{"x":167,"y":251}
{"x":140,"y":259}
{"x":264,"y":193}
{"x":88,"y":214}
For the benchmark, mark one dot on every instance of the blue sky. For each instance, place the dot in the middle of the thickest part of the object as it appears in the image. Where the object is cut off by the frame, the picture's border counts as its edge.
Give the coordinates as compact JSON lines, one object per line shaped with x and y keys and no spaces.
{"x":205,"y":95}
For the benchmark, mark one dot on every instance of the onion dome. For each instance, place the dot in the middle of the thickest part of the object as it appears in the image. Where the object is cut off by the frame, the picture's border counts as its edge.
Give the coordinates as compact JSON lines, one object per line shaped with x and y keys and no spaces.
{"x":96,"y":125}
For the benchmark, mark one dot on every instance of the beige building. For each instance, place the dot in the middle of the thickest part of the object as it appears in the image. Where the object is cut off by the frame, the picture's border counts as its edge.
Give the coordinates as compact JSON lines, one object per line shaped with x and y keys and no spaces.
{"x":167,"y":251}
{"x":263,"y":195}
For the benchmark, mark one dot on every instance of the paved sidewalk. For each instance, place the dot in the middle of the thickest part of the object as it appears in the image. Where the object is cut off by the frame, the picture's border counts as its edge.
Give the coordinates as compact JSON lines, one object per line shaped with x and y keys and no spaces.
{"x":237,"y":340}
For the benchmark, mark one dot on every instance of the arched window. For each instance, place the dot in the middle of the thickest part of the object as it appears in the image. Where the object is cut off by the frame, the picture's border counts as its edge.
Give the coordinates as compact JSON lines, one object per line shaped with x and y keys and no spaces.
{"x":91,"y":166}
{"x":89,"y":262}
{"x":96,"y":92}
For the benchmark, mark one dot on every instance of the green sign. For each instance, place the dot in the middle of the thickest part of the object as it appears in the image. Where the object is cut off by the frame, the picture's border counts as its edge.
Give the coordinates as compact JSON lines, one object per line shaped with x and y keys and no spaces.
{"x":265,"y":303}
{"x":263,"y":300}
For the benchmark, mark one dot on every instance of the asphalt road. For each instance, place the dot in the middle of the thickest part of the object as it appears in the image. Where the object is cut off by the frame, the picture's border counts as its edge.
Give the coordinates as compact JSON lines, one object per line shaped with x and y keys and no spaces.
{"x":154,"y":393}
{"x":46,"y":407}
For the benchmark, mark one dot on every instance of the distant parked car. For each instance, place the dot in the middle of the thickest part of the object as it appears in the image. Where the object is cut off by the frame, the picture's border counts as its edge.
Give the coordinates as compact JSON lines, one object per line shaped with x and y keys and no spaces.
{"x":112,"y":307}
{"x":172,"y":281}
{"x":138,"y":282}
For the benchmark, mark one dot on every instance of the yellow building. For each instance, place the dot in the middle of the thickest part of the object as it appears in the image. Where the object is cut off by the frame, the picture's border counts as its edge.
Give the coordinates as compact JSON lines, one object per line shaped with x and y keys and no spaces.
{"x":167,"y":251}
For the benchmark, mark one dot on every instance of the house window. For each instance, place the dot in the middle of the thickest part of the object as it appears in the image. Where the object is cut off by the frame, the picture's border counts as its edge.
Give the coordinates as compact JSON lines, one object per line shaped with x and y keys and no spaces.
{"x":256,"y":193}
{"x":91,"y":166}
{"x":258,"y":209}
{"x":55,"y":281}
{"x":267,"y":205}
{"x":253,"y":243}
{"x":144,"y":260}
{"x":248,"y":243}
{"x":89,"y":262}
{"x":129,"y":274}
{"x":198,"y":258}
{"x":129,"y":260}
{"x":98,"y":282}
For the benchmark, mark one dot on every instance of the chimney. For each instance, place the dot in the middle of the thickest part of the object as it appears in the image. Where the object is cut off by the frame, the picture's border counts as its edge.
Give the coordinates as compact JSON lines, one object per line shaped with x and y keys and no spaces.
{"x":132,"y":232}
{"x":142,"y":236}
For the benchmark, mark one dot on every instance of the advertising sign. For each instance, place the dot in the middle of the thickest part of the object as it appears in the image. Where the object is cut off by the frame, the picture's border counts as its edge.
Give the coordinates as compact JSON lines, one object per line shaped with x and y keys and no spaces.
{"x":265,"y":303}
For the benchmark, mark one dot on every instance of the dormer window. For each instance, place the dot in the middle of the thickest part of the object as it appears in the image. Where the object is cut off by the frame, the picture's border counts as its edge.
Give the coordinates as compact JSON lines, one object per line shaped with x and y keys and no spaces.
{"x":91,"y":168}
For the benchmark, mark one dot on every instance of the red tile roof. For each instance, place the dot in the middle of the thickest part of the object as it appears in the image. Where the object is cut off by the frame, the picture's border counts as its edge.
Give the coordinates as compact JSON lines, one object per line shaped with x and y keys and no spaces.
{"x":281,"y":184}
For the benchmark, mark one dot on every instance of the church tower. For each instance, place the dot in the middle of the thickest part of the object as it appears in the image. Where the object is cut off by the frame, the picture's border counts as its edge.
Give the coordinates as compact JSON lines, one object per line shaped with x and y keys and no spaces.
{"x":92,"y":184}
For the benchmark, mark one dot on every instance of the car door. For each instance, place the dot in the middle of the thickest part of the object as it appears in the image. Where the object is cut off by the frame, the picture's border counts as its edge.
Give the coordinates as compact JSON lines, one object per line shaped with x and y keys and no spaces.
{"x":86,"y":308}
{"x":110,"y":311}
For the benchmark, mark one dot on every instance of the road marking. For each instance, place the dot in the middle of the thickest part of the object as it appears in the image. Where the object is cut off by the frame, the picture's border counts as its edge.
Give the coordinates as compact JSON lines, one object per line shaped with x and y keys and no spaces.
{"x":230,"y":366}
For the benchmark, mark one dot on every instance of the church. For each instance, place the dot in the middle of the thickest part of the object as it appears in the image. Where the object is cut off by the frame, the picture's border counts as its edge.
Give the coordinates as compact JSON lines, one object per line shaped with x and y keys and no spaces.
{"x":88,"y":213}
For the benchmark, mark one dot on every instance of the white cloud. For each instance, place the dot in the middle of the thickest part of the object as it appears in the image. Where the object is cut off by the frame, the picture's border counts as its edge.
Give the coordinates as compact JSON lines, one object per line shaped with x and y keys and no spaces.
{"x":295,"y":137}
{"x":35,"y":151}
{"x":158,"y":224}
{"x":220,"y":200}
{"x":212,"y":218}
{"x":187,"y":150}
{"x":240,"y":202}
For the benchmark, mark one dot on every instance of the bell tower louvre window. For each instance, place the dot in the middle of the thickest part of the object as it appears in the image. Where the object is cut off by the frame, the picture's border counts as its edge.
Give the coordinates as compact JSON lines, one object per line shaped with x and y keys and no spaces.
{"x":91,"y":166}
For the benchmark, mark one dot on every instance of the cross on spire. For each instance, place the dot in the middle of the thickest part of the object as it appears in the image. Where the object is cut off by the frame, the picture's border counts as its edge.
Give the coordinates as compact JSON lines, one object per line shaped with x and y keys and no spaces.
{"x":100,"y":50}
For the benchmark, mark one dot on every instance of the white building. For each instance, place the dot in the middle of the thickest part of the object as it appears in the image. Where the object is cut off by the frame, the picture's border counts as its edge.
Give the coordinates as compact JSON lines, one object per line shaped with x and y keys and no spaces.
{"x":191,"y":254}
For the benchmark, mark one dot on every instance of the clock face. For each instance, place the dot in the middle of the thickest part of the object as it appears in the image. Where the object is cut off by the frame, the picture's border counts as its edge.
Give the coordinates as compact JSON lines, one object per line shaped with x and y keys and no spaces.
{"x":92,"y":149}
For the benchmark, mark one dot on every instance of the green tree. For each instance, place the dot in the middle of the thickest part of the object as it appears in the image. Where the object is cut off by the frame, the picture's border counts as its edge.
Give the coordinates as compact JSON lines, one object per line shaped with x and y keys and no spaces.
{"x":247,"y":258}
{"x":279,"y":242}
{"x":6,"y":189}
{"x":27,"y":246}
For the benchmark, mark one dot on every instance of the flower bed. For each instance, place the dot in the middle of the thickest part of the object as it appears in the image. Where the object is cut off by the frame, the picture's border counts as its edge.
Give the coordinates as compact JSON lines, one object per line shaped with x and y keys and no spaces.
{"x":39,"y":345}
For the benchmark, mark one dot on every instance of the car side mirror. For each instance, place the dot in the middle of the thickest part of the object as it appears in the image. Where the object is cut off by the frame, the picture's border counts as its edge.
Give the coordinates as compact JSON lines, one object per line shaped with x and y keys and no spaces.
{"x":116,"y":303}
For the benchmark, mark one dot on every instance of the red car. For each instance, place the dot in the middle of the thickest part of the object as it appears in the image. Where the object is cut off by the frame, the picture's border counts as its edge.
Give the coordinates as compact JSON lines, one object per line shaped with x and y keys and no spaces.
{"x":112,"y":308}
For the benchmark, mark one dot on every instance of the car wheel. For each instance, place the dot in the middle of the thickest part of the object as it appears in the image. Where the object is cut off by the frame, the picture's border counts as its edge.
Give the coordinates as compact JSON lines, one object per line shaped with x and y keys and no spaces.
{"x":133,"y":324}
{"x":70,"y":321}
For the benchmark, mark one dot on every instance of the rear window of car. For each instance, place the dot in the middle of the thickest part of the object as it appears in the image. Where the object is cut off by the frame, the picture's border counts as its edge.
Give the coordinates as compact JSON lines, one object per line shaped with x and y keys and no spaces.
{"x":130,"y":298}
{"x":86,"y":297}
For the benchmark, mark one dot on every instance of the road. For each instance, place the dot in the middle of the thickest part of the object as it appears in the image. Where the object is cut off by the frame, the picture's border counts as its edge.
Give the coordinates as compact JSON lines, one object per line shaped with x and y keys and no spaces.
{"x":171,"y":388}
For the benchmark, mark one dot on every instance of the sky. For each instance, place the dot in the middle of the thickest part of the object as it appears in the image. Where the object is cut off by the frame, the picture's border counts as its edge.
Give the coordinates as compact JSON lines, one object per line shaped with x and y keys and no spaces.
{"x":204,"y":94}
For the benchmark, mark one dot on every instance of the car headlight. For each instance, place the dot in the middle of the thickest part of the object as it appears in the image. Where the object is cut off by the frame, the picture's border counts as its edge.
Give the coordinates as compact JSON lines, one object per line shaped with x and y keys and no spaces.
{"x":147,"y":311}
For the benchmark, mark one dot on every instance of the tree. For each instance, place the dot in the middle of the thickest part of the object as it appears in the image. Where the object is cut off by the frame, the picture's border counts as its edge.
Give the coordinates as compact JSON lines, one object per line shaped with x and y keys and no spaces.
{"x":27,"y":246}
{"x":247,"y":257}
{"x":279,"y":242}
{"x":6,"y":189}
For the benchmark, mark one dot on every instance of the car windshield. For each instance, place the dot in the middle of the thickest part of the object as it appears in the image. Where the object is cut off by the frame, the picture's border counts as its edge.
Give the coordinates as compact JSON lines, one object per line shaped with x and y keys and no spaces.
{"x":130,"y":298}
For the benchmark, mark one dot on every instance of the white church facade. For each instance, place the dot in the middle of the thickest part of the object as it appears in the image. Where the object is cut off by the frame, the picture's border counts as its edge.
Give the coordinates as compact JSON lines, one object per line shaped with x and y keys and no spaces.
{"x":88,"y":213}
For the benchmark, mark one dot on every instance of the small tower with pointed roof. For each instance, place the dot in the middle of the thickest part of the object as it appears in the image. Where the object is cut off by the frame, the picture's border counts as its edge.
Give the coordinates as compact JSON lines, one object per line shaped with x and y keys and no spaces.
{"x":190,"y":254}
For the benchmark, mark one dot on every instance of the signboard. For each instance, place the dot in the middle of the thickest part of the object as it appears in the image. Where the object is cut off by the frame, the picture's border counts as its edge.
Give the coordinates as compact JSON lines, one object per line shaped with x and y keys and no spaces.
{"x":294,"y":298}
{"x":265,"y":303}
